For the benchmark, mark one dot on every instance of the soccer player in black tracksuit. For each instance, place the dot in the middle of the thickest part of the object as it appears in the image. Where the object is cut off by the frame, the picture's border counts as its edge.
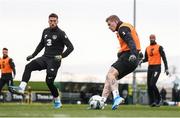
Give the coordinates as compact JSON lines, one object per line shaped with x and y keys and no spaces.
{"x":8,"y":70}
{"x":153,"y":55}
{"x":54,"y":40}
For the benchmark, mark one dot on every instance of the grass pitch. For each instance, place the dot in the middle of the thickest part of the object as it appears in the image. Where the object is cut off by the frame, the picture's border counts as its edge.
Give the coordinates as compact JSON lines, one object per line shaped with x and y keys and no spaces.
{"x":68,"y":110}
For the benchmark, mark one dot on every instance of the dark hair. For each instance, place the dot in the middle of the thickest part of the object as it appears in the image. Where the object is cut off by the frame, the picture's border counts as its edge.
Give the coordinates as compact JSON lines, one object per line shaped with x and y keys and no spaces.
{"x":152,"y":36}
{"x":53,"y":15}
{"x":5,"y":49}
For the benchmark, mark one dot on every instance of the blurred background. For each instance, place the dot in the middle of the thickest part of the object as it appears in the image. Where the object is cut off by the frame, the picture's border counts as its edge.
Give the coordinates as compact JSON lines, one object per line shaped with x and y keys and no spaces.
{"x":96,"y":47}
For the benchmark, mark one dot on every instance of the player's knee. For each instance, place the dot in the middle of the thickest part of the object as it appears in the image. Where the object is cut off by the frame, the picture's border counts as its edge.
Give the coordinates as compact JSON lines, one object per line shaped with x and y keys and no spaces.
{"x":51,"y":73}
{"x":110,"y":76}
{"x":28,"y":67}
{"x":151,"y":85}
{"x":50,"y":77}
{"x":113,"y":73}
{"x":50,"y":80}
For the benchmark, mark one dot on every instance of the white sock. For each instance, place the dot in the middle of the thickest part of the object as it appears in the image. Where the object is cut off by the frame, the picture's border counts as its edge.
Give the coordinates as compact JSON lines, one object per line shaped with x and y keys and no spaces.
{"x":57,"y":99}
{"x":115,"y":93}
{"x":104,"y":99}
{"x":23,"y":85}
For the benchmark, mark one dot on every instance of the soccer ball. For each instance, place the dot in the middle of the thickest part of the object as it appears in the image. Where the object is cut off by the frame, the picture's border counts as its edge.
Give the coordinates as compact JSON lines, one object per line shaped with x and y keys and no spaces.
{"x":96,"y":102}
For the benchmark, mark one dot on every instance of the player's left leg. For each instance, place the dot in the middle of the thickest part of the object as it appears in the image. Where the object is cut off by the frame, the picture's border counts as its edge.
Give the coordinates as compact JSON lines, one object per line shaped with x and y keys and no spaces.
{"x":54,"y":91}
{"x":10,"y":83}
{"x":52,"y":68}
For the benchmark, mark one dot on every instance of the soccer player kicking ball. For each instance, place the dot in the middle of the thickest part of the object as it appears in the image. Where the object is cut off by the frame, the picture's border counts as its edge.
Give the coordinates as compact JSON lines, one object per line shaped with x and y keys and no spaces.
{"x":53,"y":40}
{"x":127,"y":57}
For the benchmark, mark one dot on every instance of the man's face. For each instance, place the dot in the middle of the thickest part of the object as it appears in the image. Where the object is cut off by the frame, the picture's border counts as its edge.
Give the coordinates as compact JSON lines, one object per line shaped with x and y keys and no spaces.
{"x":152,"y":41}
{"x":5,"y":53}
{"x":112,"y":25}
{"x":53,"y":21}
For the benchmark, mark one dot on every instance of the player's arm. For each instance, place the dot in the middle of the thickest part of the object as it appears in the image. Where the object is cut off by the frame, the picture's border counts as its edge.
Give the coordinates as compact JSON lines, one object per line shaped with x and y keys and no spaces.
{"x":145,"y":57}
{"x":39,"y":47}
{"x":163,"y":55}
{"x":125,"y":34}
{"x":12,"y":65}
{"x":68,"y":44}
{"x":0,"y":63}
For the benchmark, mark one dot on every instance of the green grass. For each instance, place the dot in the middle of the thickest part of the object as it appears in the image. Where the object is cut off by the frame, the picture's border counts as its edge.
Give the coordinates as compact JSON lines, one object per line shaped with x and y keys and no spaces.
{"x":36,"y":86}
{"x":40,"y":86}
{"x":69,"y":110}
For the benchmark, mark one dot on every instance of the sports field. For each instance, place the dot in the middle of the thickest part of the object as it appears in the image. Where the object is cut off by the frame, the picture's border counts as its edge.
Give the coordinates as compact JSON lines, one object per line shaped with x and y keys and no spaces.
{"x":69,"y":110}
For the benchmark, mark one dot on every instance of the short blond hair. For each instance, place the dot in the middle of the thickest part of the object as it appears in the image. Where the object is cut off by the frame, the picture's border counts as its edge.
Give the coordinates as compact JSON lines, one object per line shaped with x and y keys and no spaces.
{"x":113,"y":18}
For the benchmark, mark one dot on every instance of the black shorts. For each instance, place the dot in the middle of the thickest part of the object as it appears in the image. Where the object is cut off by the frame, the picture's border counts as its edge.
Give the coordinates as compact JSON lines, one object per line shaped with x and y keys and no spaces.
{"x":49,"y":63}
{"x":123,"y":65}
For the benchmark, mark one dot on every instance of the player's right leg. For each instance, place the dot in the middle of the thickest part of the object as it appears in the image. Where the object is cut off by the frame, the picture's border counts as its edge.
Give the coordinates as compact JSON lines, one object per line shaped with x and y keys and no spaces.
{"x":150,"y":88}
{"x":52,"y":68}
{"x":2,"y":83}
{"x":112,"y":78}
{"x":157,"y":97}
{"x":106,"y":90}
{"x":111,"y":85}
{"x":120,"y":68}
{"x":32,"y":66}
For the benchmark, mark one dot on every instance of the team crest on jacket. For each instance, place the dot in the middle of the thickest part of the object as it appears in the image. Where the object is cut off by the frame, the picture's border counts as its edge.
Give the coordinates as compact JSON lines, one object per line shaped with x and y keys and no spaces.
{"x":54,"y":37}
{"x":45,"y":36}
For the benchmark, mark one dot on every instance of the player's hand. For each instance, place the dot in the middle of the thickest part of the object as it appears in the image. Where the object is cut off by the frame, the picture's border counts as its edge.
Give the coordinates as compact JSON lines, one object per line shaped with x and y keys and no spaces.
{"x":132,"y":58}
{"x":29,"y":57}
{"x":58,"y":57}
{"x":13,"y":76}
{"x":119,"y":54}
{"x":140,"y":55}
{"x":140,"y":62}
{"x":167,"y":72}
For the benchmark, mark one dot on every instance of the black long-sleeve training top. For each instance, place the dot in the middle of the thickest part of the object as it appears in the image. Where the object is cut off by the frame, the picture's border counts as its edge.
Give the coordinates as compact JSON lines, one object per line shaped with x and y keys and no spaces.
{"x":125,"y":34}
{"x":54,"y":41}
{"x":11,"y":63}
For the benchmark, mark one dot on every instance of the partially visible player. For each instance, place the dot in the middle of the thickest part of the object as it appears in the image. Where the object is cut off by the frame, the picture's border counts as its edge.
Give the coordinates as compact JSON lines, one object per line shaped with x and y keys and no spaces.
{"x":8,"y":70}
{"x":127,"y":57}
{"x":153,"y":54}
{"x":54,"y":41}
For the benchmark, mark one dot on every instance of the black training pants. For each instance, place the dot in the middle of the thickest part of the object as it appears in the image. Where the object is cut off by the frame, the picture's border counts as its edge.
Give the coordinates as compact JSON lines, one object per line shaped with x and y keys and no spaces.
{"x":50,"y":64}
{"x":152,"y":77}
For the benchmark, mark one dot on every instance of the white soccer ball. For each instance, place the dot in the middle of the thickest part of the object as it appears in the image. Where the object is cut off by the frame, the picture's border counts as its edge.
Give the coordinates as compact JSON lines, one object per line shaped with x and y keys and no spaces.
{"x":78,"y":102}
{"x":96,"y":102}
